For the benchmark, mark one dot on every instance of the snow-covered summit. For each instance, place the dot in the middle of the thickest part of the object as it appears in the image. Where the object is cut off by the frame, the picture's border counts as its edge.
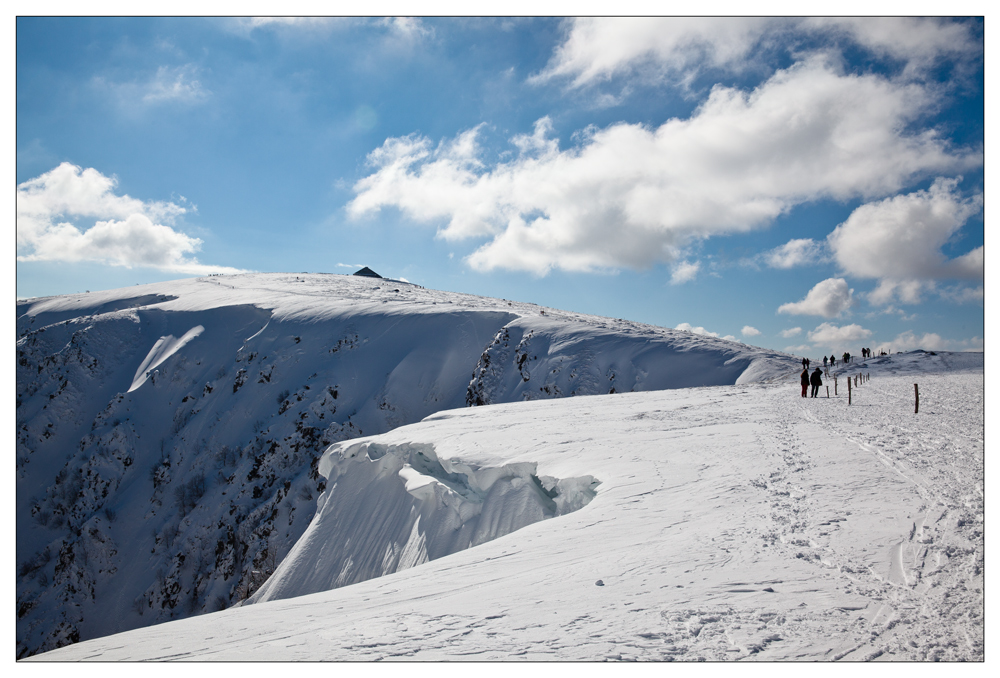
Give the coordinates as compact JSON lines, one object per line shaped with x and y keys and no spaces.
{"x":169,"y":435}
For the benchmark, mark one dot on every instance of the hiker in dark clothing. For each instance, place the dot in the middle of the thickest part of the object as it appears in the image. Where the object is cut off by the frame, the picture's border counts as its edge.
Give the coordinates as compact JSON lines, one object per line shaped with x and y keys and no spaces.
{"x":816,"y":380}
{"x":824,"y":361}
{"x":833,"y":361}
{"x":805,"y":382}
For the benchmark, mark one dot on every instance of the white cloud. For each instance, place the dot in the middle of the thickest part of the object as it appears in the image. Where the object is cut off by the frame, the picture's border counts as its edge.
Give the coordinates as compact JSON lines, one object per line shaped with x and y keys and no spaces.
{"x":793,"y":332}
{"x":832,"y":336}
{"x":905,"y":291}
{"x":409,"y":28}
{"x":828,"y":298}
{"x":920,"y":42}
{"x":596,"y":49}
{"x":397,"y":30}
{"x":798,"y":252}
{"x":170,"y":84}
{"x":125,"y":231}
{"x":630,"y":196}
{"x":696,"y":330}
{"x":930,"y":341}
{"x":749,"y":331}
{"x":684,"y":271}
{"x":246,"y":25}
{"x":175,"y":84}
{"x":898,"y":240}
{"x":908,"y":341}
{"x":963,"y":295}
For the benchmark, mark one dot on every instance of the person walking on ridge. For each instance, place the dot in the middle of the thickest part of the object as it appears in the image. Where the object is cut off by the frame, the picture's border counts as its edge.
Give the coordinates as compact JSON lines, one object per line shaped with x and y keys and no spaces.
{"x":805,"y":381}
{"x":816,"y":381}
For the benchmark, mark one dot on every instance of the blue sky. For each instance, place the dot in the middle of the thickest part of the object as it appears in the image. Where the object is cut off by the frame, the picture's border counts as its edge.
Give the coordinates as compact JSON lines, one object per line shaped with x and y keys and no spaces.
{"x":811,"y":185}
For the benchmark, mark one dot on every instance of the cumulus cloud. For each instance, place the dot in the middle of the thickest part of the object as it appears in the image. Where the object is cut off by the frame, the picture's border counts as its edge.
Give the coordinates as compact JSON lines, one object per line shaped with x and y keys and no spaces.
{"x":631,"y":196}
{"x":898,"y":240}
{"x":828,"y":298}
{"x":696,"y":330}
{"x":930,"y":341}
{"x":797,"y":252}
{"x":125,"y":232}
{"x":908,"y":341}
{"x":904,"y":291}
{"x":792,"y":332}
{"x":703,"y":332}
{"x":919,"y":42}
{"x":963,"y":295}
{"x":830,"y":335}
{"x":597,"y":49}
{"x":684,"y":271}
{"x":749,"y":331}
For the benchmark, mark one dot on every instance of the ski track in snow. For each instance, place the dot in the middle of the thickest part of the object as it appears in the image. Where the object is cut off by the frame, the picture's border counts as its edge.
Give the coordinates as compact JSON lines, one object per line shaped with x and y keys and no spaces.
{"x":732,"y":523}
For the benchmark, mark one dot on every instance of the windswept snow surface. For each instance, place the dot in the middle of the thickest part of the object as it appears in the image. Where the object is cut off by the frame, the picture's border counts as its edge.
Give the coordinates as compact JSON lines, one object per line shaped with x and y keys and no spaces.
{"x":731,"y":522}
{"x":169,"y":435}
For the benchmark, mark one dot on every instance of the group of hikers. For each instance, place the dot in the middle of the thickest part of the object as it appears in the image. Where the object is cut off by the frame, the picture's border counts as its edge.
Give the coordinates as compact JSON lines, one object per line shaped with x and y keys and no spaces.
{"x":816,"y":379}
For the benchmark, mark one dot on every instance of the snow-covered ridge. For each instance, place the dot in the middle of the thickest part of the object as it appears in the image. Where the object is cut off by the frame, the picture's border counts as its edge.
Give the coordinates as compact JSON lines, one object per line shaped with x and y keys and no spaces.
{"x":731,"y":523}
{"x":168,"y":435}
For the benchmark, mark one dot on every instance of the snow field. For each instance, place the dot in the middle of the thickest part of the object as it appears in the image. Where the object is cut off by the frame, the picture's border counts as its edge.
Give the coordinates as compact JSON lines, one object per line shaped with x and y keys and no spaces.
{"x":736,"y":522}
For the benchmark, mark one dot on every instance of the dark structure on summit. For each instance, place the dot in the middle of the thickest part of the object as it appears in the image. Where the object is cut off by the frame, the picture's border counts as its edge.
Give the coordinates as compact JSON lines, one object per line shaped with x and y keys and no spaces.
{"x":368,"y":273}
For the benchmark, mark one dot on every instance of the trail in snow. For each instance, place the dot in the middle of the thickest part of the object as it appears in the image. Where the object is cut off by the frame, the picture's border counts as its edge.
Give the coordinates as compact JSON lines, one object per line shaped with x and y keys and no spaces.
{"x":731,"y":523}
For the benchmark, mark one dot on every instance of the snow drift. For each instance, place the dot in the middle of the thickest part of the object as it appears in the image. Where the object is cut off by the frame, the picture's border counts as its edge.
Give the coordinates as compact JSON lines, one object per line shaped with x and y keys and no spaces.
{"x":391,"y":507}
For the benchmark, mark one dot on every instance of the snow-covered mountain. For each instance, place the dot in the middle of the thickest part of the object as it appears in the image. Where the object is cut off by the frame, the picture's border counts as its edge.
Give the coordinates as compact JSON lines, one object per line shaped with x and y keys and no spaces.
{"x":718,"y":523}
{"x":169,"y":436}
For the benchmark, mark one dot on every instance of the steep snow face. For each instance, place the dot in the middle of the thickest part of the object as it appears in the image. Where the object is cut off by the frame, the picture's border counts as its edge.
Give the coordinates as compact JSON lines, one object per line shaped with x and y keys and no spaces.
{"x":168,"y":435}
{"x":731,"y":523}
{"x":552,"y":358}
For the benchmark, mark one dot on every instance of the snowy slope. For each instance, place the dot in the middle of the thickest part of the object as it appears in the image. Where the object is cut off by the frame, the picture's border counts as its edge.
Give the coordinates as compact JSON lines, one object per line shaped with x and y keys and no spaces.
{"x":727,"y":523}
{"x":169,"y":435}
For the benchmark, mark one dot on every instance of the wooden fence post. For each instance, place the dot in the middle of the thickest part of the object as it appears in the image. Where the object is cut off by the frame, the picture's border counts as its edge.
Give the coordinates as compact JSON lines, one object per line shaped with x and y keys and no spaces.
{"x":916,"y":397}
{"x":848,"y":390}
{"x":827,"y":390}
{"x":835,"y":386}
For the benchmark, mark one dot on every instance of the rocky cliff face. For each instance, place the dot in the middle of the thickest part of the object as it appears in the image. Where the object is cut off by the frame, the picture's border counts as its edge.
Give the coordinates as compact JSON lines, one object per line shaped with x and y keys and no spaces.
{"x":168,"y":436}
